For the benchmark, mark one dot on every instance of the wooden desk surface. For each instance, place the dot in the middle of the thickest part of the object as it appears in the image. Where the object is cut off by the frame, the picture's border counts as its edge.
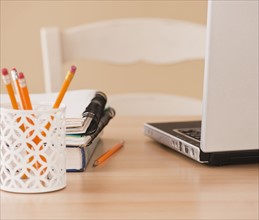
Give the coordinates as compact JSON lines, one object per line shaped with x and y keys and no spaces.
{"x":144,"y":180}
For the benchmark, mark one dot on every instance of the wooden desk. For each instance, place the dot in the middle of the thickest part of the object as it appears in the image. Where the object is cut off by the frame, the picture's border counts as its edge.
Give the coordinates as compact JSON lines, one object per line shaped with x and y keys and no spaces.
{"x":144,"y":180}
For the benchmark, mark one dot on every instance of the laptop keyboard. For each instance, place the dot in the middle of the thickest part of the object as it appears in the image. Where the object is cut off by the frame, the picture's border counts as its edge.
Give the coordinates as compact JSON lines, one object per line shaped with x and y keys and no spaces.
{"x":193,"y":133}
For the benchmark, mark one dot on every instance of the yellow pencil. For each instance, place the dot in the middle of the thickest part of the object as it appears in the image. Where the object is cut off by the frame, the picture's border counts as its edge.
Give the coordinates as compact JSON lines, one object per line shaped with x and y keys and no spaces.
{"x":7,"y":81}
{"x":65,"y":85}
{"x":106,"y":155}
{"x":24,"y":92}
{"x":17,"y":87}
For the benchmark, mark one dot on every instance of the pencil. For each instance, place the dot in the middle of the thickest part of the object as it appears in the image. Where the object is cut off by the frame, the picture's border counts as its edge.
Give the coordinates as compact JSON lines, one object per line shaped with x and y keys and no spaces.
{"x":9,"y":88}
{"x":17,"y":87}
{"x":24,"y":92}
{"x":65,"y":85}
{"x":106,"y":155}
{"x":18,"y":91}
{"x":28,"y":106}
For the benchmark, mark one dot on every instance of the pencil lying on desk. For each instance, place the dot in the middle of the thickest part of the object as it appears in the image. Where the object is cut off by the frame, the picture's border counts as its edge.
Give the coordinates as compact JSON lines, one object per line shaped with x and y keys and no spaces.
{"x":8,"y":84}
{"x":109,"y":153}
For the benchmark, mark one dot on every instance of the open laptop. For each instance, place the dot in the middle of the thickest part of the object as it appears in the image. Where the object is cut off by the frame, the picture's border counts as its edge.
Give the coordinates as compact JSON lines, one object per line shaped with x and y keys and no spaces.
{"x":228,"y":131}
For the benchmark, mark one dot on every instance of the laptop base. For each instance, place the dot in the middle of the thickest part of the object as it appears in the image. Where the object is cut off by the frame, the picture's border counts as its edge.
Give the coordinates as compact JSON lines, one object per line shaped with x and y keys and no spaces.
{"x":167,"y":134}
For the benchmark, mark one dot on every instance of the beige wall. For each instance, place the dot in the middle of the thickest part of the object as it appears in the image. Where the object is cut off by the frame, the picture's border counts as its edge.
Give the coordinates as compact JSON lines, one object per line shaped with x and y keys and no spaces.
{"x":20,"y":44}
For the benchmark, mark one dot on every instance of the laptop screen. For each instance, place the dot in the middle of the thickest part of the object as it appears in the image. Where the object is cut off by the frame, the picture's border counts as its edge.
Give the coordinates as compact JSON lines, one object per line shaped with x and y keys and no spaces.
{"x":230,"y":103}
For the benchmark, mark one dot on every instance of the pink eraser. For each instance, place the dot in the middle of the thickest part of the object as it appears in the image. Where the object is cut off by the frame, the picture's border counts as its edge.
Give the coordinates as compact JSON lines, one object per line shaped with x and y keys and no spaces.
{"x":4,"y":72}
{"x":73,"y":69}
{"x":21,"y":75}
{"x":14,"y":69}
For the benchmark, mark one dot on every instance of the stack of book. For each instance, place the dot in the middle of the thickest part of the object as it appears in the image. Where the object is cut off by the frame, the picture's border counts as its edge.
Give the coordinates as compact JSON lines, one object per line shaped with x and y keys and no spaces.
{"x":83,"y":133}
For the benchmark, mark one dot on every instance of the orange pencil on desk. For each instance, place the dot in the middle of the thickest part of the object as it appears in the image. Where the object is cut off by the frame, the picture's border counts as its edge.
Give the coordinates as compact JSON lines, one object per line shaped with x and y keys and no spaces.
{"x":7,"y":81}
{"x":65,"y":85}
{"x":106,"y":155}
{"x":24,"y":92}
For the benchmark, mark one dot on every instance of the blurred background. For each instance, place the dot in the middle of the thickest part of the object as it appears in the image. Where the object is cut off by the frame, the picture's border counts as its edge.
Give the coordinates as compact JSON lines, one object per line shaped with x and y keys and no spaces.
{"x":20,"y":44}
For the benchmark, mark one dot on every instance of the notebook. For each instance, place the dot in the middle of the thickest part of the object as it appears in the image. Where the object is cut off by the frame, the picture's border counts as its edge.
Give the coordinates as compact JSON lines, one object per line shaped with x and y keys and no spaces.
{"x":78,"y":156}
{"x":228,"y":131}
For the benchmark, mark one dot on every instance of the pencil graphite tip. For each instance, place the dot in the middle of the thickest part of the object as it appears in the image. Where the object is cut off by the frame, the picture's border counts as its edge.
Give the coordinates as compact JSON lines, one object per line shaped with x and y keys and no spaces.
{"x":95,"y":165}
{"x":20,"y":75}
{"x":73,"y":69}
{"x":4,"y":72}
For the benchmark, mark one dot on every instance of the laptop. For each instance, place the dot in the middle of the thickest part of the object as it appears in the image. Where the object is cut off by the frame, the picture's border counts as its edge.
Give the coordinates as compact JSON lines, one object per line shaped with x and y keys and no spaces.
{"x":228,"y":130}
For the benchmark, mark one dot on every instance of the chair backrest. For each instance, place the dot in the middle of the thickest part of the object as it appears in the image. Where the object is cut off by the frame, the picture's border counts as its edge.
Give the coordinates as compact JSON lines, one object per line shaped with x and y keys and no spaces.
{"x":126,"y":41}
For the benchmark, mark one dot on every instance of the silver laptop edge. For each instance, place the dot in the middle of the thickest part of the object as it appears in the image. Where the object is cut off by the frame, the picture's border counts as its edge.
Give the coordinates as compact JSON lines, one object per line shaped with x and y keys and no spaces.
{"x":174,"y":143}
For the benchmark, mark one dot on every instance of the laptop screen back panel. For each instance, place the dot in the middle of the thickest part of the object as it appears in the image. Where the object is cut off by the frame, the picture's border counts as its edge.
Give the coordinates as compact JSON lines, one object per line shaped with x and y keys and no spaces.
{"x":230,"y":102}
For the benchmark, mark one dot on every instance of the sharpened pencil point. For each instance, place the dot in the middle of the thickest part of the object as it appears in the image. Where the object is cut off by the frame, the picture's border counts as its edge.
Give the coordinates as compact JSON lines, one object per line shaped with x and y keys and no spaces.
{"x":94,"y":165}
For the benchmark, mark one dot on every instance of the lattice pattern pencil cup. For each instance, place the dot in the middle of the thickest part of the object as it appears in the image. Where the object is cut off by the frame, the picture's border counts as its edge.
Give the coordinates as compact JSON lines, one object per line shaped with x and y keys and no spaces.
{"x":32,"y":153}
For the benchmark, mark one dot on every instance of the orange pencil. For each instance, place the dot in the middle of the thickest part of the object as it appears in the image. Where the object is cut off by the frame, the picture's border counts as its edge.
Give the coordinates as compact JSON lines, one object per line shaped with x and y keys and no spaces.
{"x":24,"y":92}
{"x":65,"y":85}
{"x":9,"y":88}
{"x":106,"y":155}
{"x":17,"y":87}
{"x":18,"y":90}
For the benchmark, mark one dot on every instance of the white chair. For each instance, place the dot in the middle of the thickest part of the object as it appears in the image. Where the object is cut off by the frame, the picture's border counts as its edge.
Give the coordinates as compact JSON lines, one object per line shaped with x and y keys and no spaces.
{"x":125,"y":41}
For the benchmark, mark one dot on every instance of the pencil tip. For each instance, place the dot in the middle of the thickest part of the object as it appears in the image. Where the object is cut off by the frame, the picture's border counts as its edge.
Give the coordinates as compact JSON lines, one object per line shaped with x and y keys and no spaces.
{"x":95,"y":164}
{"x":73,"y":69}
{"x":4,"y":72}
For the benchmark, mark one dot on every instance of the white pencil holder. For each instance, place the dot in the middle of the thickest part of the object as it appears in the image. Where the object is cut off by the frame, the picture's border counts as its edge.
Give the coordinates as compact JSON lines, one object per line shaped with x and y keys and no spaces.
{"x":32,"y":153}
